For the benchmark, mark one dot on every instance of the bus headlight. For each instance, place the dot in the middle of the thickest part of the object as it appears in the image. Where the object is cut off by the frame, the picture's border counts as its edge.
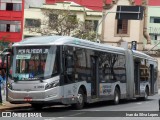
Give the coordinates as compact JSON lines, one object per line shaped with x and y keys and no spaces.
{"x":9,"y":86}
{"x":51,"y":85}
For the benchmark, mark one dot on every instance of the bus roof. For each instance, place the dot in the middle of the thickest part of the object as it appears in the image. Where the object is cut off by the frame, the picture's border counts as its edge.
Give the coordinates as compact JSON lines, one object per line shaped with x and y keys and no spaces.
{"x":142,"y":55}
{"x":67,"y":40}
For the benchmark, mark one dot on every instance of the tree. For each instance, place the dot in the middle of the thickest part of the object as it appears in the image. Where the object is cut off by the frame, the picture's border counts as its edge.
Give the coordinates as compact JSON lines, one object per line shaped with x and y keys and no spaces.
{"x":3,"y":43}
{"x":85,"y":31}
{"x":65,"y":23}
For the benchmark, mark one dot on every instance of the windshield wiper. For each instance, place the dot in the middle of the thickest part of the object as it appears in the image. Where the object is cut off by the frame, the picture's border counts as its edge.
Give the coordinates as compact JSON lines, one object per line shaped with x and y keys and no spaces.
{"x":39,"y":77}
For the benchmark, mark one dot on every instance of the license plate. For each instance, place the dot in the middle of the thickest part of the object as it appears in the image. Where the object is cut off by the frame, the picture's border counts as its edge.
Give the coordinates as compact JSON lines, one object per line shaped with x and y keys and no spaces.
{"x":27,"y":98}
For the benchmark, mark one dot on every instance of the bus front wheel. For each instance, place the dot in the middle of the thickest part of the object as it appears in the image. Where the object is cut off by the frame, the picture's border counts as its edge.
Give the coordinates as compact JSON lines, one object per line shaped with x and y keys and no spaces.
{"x":80,"y":103}
{"x":116,"y":96}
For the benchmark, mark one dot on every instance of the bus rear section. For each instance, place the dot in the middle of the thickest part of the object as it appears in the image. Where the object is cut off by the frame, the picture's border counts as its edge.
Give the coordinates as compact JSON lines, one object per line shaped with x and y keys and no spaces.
{"x":145,"y":76}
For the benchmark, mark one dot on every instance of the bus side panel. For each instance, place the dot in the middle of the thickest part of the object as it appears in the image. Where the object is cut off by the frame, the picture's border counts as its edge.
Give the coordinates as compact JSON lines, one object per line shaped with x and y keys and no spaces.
{"x":156,"y":79}
{"x":154,"y":89}
{"x":71,"y":91}
{"x":130,"y":74}
{"x":123,"y":90}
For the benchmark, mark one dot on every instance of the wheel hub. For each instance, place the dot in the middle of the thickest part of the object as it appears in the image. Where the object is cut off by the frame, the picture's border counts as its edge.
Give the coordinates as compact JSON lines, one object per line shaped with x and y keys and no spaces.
{"x":80,"y":98}
{"x":116,"y":98}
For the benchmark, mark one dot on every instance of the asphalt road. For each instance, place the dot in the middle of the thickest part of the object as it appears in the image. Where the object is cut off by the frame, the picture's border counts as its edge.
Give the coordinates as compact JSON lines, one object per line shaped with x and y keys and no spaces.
{"x":95,"y":111}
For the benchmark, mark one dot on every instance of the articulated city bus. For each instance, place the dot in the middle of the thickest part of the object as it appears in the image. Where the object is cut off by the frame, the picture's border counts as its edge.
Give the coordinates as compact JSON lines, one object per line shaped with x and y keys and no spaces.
{"x":66,"y":70}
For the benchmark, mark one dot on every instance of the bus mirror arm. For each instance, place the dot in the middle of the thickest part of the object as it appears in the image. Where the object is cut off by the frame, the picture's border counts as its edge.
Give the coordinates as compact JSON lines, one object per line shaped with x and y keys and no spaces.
{"x":15,"y":79}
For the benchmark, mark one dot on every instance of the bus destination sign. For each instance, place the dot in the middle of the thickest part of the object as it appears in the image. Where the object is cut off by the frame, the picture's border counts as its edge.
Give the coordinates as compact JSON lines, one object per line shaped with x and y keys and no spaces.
{"x":33,"y":51}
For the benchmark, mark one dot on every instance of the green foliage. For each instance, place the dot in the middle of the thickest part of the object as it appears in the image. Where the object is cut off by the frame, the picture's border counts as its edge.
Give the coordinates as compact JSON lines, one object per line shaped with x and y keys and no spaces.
{"x":65,"y":23}
{"x":3,"y":43}
{"x":88,"y":35}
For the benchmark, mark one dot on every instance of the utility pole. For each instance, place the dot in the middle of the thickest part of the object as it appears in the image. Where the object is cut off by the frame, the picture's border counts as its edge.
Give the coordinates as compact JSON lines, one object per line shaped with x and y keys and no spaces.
{"x":103,"y":23}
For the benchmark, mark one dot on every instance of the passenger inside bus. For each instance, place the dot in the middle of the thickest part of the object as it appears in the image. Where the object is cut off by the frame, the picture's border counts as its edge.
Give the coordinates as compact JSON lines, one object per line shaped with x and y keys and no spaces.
{"x":35,"y":68}
{"x":31,"y":66}
{"x":39,"y":67}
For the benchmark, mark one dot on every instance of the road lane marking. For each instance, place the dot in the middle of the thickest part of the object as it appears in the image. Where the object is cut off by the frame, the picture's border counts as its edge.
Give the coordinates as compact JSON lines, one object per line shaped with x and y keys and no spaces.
{"x":49,"y":118}
{"x":75,"y":114}
{"x":138,"y":103}
{"x":97,"y":110}
{"x":60,"y":117}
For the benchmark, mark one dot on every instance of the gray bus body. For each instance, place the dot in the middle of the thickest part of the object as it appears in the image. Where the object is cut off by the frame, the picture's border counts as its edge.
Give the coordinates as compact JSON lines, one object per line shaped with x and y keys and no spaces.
{"x":70,"y":65}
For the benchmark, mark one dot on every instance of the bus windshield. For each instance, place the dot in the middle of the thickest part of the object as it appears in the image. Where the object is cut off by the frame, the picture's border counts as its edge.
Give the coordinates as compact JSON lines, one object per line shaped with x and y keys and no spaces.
{"x":34,"y":62}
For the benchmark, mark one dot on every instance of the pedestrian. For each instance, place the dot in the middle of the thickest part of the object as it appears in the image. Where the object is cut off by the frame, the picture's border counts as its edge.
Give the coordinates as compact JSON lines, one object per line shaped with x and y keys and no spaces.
{"x":1,"y":81}
{"x":4,"y":81}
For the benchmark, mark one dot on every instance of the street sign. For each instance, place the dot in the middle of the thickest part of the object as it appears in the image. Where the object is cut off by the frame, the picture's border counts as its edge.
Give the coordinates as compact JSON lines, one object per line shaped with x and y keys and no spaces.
{"x":129,"y":12}
{"x":134,"y":45}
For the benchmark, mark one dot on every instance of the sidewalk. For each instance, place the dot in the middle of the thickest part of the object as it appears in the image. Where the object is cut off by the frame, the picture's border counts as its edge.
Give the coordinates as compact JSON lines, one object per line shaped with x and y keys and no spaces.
{"x":9,"y":105}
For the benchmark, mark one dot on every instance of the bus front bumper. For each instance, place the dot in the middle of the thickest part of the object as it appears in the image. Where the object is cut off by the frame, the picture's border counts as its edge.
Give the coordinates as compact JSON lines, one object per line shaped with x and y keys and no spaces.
{"x":51,"y":95}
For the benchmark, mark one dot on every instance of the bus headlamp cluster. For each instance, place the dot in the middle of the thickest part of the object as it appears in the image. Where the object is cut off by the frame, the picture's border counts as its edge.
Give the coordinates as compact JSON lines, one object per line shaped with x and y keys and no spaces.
{"x":9,"y":86}
{"x":52,"y":85}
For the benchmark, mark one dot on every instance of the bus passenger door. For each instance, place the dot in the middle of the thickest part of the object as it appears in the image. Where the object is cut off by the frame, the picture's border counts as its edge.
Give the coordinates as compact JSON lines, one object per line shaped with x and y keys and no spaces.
{"x":152,"y":79}
{"x":94,"y":77}
{"x":137,"y":77}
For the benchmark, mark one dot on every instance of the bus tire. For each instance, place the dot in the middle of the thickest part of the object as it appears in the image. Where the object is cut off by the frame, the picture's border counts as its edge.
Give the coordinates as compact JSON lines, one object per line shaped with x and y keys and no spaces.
{"x":116,"y":96}
{"x":81,"y":98}
{"x":37,"y":106}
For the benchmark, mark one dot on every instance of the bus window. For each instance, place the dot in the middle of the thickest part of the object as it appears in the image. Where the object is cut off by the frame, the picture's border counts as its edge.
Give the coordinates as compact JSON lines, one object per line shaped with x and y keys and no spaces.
{"x":23,"y":66}
{"x":31,"y":66}
{"x":111,"y":67}
{"x":80,"y":64}
{"x":69,"y":64}
{"x":39,"y":67}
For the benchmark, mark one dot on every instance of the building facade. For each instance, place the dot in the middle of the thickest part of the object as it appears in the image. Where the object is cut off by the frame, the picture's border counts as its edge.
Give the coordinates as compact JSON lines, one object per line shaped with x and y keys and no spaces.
{"x":116,"y":31}
{"x":98,"y":4}
{"x":35,"y":15}
{"x":33,"y":3}
{"x":154,"y":31}
{"x":154,"y":22}
{"x":113,"y":31}
{"x":145,"y":32}
{"x":11,"y":20}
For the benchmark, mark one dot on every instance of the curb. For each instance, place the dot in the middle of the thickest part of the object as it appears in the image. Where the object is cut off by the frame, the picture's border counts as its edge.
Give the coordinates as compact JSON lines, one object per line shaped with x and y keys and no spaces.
{"x":12,"y":108}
